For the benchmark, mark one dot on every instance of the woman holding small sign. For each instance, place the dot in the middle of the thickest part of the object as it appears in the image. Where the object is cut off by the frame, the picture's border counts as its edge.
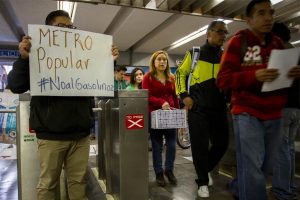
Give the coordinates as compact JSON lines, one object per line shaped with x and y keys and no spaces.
{"x":161,"y":85}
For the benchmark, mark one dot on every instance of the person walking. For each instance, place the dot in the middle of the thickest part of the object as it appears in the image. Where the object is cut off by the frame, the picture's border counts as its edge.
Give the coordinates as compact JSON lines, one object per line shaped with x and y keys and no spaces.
{"x":283,"y":180}
{"x":206,"y":105}
{"x":161,"y":86}
{"x":256,"y":114}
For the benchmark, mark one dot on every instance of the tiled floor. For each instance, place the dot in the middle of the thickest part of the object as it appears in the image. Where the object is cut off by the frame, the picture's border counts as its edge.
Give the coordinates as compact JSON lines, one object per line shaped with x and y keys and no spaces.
{"x":8,"y":180}
{"x":185,"y":189}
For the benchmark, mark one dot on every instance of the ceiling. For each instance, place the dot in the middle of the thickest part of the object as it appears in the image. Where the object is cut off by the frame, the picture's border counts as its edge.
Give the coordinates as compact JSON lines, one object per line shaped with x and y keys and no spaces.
{"x":134,"y":28}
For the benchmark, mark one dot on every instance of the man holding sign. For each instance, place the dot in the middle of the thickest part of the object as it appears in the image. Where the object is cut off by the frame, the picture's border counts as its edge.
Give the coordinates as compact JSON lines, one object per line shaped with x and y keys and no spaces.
{"x":62,"y":124}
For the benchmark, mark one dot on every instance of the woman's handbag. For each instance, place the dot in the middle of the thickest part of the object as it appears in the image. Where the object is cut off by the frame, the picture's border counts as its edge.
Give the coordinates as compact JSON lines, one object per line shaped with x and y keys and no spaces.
{"x":168,"y":119}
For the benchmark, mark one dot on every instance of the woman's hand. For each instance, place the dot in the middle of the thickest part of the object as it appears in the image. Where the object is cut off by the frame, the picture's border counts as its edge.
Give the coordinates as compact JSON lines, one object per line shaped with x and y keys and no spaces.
{"x":166,"y":106}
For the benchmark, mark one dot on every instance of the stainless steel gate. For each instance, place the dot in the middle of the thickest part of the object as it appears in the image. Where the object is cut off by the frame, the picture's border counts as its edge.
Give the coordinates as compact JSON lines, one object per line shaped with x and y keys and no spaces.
{"x":27,"y":159}
{"x":124,"y":135}
{"x":28,"y":165}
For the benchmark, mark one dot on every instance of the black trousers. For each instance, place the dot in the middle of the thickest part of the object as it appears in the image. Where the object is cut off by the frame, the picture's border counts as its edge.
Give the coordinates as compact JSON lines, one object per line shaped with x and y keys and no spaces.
{"x":207,"y":127}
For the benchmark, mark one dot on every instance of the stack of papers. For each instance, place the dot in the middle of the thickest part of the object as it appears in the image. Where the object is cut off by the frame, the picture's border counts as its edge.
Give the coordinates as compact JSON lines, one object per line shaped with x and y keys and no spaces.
{"x":283,"y":60}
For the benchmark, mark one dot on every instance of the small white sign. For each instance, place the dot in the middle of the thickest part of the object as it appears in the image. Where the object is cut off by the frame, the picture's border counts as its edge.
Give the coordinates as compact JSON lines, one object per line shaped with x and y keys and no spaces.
{"x":69,"y":62}
{"x":283,"y":60}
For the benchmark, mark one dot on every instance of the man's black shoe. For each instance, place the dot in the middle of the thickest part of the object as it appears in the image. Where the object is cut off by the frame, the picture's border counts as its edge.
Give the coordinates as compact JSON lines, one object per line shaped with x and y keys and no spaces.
{"x":160,"y":180}
{"x":172,"y":179}
{"x":235,"y":197}
{"x":228,"y":187}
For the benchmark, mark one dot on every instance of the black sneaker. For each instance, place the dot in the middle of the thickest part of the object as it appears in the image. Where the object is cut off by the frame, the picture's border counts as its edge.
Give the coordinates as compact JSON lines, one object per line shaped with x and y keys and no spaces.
{"x":229,"y":188}
{"x":172,"y":179}
{"x":160,"y":180}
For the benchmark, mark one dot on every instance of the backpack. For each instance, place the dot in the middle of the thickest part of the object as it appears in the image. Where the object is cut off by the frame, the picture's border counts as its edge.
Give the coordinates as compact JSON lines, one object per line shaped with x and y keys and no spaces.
{"x":195,"y":58}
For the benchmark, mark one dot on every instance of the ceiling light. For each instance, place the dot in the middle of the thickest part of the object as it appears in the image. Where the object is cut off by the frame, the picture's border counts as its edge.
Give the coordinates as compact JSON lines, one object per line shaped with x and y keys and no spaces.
{"x":226,"y":21}
{"x":295,"y":42}
{"x":275,"y":1}
{"x":151,"y":5}
{"x":201,"y":31}
{"x":69,"y":7}
{"x":190,"y":37}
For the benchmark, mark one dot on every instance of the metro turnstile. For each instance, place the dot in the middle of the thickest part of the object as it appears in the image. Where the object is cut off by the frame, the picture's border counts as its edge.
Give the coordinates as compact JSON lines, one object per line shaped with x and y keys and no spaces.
{"x":28,"y":165}
{"x":27,"y":159}
{"x":123,"y":130}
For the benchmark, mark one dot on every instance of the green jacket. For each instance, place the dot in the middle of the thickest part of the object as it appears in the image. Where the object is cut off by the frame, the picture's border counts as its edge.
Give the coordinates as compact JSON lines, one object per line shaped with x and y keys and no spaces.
{"x":203,"y":88}
{"x":130,"y":87}
{"x":120,"y":85}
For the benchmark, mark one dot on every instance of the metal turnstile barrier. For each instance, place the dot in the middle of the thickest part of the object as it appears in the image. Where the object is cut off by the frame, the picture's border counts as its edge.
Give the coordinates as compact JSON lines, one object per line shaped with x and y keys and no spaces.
{"x":100,"y":139}
{"x":103,"y":142}
{"x":27,"y":158}
{"x":123,"y":140}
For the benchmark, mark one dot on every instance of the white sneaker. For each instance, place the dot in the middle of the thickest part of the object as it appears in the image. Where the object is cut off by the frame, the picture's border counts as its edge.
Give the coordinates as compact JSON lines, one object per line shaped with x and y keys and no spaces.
{"x":210,"y":180}
{"x":203,"y":191}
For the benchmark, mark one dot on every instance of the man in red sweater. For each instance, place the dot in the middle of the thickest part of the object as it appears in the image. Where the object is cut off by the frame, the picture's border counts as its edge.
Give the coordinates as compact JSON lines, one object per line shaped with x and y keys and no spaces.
{"x":256,"y":114}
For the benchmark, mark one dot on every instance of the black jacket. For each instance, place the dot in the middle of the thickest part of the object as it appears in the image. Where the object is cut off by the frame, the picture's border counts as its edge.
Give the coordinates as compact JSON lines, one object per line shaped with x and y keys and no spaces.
{"x":203,"y":90}
{"x":294,"y":95}
{"x":53,"y":118}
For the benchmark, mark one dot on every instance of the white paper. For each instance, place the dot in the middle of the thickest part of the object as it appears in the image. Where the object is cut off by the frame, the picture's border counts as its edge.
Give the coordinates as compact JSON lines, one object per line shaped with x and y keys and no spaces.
{"x":69,"y":62}
{"x":283,"y":60}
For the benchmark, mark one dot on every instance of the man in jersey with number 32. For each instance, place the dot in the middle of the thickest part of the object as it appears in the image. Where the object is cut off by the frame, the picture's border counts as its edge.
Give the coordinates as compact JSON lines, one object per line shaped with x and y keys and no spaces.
{"x":256,"y":114}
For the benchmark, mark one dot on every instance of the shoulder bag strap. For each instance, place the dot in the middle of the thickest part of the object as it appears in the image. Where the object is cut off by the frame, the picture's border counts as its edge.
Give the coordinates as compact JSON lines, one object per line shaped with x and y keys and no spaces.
{"x":195,"y":58}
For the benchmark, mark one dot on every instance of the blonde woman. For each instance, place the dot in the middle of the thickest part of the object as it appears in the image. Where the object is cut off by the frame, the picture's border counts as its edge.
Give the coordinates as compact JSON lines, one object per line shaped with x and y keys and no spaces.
{"x":161,"y":86}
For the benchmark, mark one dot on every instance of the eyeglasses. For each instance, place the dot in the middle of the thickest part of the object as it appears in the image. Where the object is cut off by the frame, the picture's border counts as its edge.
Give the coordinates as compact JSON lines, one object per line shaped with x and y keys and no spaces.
{"x":66,"y":26}
{"x":220,"y":31}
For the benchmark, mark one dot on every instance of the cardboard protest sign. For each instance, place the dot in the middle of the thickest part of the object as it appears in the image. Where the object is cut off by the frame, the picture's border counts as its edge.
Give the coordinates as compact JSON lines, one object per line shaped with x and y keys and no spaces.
{"x":69,"y":62}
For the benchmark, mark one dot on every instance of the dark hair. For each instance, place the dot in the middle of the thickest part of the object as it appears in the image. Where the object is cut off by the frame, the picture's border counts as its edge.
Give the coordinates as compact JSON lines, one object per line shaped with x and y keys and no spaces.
{"x":282,"y":31}
{"x":251,"y":5}
{"x":214,"y":23}
{"x":121,"y":68}
{"x":51,"y":16}
{"x":132,"y":75}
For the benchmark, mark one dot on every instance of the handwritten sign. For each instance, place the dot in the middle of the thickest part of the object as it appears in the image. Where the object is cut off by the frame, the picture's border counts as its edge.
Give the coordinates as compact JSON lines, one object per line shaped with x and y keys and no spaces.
{"x":69,"y":62}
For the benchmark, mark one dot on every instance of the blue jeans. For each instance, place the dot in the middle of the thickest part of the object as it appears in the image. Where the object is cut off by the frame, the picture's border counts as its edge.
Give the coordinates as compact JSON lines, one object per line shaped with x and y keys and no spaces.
{"x":156,"y":136}
{"x":256,"y":141}
{"x":283,"y":183}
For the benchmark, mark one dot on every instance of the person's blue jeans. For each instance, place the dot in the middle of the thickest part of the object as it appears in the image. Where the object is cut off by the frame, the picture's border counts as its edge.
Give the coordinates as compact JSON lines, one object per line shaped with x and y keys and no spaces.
{"x":283,"y":183}
{"x":156,"y":136}
{"x":256,"y":143}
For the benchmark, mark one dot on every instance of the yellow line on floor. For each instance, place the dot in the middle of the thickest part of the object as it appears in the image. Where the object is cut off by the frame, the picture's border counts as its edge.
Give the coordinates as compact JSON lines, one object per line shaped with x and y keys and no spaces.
{"x":225,"y":174}
{"x":101,"y":184}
